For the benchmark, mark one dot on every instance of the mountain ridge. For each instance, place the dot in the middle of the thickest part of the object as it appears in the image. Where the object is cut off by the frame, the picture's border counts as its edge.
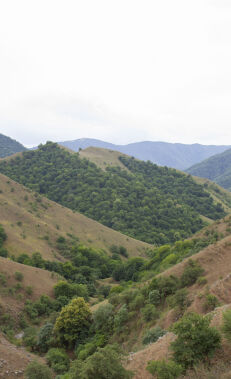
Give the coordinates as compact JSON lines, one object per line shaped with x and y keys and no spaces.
{"x":9,"y":146}
{"x":175,"y":155}
{"x":216,"y":168}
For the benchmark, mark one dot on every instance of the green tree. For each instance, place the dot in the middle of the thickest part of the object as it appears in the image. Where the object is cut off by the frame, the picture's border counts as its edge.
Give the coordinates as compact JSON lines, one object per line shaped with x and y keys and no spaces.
{"x":196,"y":340}
{"x":73,"y":323}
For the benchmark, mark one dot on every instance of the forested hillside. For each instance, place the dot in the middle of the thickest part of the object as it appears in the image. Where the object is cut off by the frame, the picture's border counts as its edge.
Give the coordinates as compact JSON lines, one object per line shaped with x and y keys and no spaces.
{"x":216,"y":168}
{"x":151,"y":203}
{"x":8,"y":146}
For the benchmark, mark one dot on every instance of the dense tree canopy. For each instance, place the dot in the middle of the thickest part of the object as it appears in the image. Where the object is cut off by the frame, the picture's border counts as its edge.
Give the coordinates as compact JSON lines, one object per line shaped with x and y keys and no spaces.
{"x":151,"y":203}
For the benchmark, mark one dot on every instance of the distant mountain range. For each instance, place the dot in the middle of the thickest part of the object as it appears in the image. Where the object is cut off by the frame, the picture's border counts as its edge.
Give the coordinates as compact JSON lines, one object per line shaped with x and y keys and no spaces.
{"x":216,"y":168}
{"x":8,"y":146}
{"x":176,"y":155}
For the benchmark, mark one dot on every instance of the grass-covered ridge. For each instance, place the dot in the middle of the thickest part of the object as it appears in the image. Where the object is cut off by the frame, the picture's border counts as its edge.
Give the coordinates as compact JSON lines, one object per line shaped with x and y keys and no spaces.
{"x":151,"y":203}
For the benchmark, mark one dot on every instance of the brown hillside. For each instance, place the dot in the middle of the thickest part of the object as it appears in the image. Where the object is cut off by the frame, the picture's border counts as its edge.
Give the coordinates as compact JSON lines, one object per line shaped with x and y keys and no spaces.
{"x":13,"y":360}
{"x":34,"y":223}
{"x":41,"y":282}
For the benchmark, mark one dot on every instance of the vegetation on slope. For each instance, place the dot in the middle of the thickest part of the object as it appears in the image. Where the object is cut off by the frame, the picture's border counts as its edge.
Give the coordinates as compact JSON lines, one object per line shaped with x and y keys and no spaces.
{"x":32,"y":220}
{"x":216,"y":168}
{"x":151,"y":203}
{"x":9,"y":146}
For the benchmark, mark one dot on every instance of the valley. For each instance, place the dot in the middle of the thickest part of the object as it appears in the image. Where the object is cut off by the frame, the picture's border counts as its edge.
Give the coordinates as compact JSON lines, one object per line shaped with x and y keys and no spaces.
{"x":132,"y":248}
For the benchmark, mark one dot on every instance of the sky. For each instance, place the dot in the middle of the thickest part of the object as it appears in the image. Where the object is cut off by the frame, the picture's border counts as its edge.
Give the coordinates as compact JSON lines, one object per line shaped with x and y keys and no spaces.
{"x":117,"y":70}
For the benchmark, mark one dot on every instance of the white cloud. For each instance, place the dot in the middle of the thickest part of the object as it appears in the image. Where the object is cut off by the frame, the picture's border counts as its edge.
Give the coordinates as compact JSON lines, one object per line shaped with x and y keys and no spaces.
{"x":121,"y":71}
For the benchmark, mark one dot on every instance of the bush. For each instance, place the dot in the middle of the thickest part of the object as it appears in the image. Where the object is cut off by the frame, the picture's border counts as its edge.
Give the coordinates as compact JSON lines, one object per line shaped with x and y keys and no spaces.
{"x":180,"y":299}
{"x":103,"y":364}
{"x":3,"y":252}
{"x":70,"y":290}
{"x":18,"y":276}
{"x":58,"y":360}
{"x":164,"y":370}
{"x":166,"y":285}
{"x":30,"y":338}
{"x":196,"y":340}
{"x":36,"y":370}
{"x":226,"y":327}
{"x":103,"y":318}
{"x":191,"y":273}
{"x":153,"y":335}
{"x":201,"y":281}
{"x":137,"y":302}
{"x":45,"y":337}
{"x":211,"y":302}
{"x":154,"y":297}
{"x":121,"y":318}
{"x":149,"y":312}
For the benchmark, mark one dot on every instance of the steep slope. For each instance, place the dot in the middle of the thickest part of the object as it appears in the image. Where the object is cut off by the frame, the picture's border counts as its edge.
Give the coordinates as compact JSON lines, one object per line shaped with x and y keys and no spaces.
{"x":216,"y":168}
{"x":34,"y":223}
{"x":145,"y":201}
{"x":175,"y":155}
{"x":8,"y":146}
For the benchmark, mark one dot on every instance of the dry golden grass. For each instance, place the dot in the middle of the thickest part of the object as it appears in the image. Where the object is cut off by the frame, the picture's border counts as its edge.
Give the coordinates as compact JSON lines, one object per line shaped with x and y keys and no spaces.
{"x":34,"y":223}
{"x":41,"y":282}
{"x":103,"y":157}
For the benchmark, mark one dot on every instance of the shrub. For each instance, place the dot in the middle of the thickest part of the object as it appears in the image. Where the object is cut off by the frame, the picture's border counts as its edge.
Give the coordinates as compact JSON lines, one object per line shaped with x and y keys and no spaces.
{"x":70,"y":290}
{"x":196,"y":340}
{"x":149,"y":312}
{"x":36,"y":370}
{"x":226,"y":327}
{"x":180,"y":299}
{"x":58,"y":360}
{"x":164,"y":370}
{"x":121,"y":318}
{"x":137,"y":302}
{"x":45,"y":337}
{"x":154,"y":297}
{"x":211,"y":302}
{"x":3,"y":252}
{"x":191,"y":273}
{"x":201,"y":281}
{"x":18,"y":276}
{"x":103,"y":364}
{"x":30,"y":337}
{"x":73,"y":322}
{"x":166,"y":285}
{"x":103,"y":318}
{"x":153,"y":335}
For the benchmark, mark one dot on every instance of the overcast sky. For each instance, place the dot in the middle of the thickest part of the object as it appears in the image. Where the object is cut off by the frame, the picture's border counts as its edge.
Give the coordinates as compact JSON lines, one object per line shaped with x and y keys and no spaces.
{"x":117,"y":70}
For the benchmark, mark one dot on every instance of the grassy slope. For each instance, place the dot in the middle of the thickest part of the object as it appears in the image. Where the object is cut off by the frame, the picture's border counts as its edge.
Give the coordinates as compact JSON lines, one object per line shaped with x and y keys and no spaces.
{"x":102,"y":157}
{"x":31,"y":224}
